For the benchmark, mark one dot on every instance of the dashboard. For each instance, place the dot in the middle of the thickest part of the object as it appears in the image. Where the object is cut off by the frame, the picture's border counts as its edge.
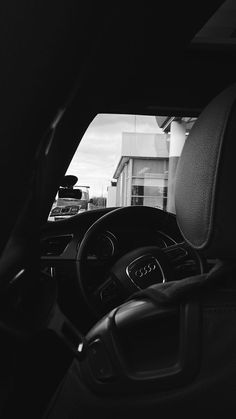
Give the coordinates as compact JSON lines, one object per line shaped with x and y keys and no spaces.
{"x":60,"y":242}
{"x":61,"y":239}
{"x":109,"y":245}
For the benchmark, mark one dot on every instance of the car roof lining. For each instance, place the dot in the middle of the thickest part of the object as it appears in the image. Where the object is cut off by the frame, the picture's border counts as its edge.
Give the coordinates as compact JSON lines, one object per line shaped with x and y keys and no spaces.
{"x":220,"y":28}
{"x":101,"y":56}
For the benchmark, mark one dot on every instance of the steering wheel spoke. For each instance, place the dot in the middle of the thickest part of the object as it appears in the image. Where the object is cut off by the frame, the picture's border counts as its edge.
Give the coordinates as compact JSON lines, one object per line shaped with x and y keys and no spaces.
{"x":184,"y":260}
{"x":109,"y":293}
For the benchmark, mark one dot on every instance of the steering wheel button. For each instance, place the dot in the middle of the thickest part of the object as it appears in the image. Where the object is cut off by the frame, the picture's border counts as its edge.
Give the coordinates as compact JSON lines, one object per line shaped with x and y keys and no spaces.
{"x":99,"y":361}
{"x":109,"y":292}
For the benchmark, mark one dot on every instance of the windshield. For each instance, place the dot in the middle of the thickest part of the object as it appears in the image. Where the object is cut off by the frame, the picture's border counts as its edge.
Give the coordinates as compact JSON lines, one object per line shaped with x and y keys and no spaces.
{"x":126,"y":160}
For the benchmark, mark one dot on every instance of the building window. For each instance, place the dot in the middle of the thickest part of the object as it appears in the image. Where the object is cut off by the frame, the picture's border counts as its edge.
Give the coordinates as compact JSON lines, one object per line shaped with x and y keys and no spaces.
{"x":137,"y":190}
{"x":148,"y":167}
{"x":149,"y":182}
{"x":141,"y":190}
{"x":137,"y":200}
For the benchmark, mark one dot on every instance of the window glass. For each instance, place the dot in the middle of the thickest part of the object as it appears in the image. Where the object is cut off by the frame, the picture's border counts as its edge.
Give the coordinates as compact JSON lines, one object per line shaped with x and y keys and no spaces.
{"x":125,"y":160}
{"x":147,"y":168}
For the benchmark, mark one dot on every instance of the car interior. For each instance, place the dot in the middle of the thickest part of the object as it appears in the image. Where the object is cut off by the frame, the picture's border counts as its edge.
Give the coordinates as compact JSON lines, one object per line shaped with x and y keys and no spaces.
{"x":126,"y":309}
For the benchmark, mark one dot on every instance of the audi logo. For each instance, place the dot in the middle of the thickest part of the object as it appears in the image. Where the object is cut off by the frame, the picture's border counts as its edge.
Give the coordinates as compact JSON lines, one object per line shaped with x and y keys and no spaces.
{"x":144,"y":270}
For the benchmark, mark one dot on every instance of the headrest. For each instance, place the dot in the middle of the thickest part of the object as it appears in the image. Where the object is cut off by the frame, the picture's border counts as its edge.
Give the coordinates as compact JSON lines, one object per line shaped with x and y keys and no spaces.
{"x":205,"y":189}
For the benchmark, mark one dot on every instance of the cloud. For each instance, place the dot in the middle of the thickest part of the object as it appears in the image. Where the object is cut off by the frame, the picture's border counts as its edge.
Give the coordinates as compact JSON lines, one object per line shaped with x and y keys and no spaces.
{"x":99,"y":151}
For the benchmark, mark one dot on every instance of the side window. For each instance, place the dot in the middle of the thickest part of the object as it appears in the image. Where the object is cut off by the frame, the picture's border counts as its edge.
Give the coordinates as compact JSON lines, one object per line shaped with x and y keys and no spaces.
{"x":126,"y":160}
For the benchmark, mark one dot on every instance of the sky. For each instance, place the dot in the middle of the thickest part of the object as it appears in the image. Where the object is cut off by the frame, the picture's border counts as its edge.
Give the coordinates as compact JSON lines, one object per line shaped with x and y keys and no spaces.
{"x":99,"y":151}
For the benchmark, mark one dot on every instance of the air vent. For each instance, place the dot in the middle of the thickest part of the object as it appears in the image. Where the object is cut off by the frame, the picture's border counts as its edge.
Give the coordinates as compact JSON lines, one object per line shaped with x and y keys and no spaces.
{"x":184,"y":263}
{"x":55,"y":246}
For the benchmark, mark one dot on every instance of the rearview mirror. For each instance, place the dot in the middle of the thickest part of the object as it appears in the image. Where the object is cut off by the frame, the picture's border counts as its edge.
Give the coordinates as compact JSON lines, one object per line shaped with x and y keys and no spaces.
{"x":69,"y":181}
{"x":69,"y":193}
{"x":66,"y":190}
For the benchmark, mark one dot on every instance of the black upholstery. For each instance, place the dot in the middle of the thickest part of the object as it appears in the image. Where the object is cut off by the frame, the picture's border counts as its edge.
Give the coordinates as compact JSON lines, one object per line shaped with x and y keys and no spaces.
{"x":205,"y":197}
{"x":205,"y":213}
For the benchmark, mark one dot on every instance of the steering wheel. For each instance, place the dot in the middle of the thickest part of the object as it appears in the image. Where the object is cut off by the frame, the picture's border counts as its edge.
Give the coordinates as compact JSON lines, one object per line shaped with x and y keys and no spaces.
{"x":138,"y":268}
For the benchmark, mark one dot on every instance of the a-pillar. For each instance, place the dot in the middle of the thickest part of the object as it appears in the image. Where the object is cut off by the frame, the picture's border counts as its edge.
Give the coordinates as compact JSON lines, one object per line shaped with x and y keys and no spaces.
{"x":177,"y":140}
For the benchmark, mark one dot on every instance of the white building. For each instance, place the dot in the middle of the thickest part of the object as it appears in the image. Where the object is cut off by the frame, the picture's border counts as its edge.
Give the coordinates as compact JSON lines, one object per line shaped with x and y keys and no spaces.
{"x":142,"y":172}
{"x":146,"y":171}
